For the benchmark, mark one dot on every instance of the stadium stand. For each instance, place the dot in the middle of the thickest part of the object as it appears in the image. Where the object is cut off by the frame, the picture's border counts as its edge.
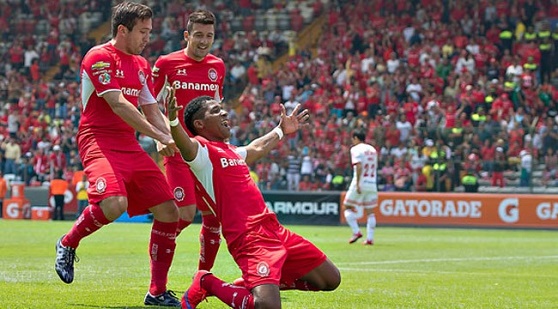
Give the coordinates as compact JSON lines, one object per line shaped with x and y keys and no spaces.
{"x":440,"y":87}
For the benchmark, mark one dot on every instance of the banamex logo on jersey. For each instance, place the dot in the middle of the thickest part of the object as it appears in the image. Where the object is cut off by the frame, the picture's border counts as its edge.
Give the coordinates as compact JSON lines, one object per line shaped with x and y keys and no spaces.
{"x":195,"y":86}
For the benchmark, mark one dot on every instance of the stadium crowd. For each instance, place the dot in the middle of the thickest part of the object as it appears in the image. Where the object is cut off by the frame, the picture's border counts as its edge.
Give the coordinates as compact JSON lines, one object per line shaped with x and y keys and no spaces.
{"x":441,"y":87}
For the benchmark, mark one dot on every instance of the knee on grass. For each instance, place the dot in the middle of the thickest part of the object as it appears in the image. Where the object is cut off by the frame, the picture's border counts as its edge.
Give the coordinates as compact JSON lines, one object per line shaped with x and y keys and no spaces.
{"x":330,"y":282}
{"x":266,"y":296}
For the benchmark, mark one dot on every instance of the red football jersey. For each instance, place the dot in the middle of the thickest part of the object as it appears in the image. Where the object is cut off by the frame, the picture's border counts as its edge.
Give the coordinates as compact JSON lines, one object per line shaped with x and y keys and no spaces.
{"x":103,"y":69}
{"x":226,"y":188}
{"x":189,"y":77}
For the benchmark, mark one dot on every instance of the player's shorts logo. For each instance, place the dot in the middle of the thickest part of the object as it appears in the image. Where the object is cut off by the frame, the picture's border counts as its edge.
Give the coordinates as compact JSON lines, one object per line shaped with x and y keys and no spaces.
{"x":263,"y":269}
{"x":141,"y":77}
{"x":101,"y":185}
{"x":212,"y":74}
{"x":104,"y":78}
{"x":179,"y":194}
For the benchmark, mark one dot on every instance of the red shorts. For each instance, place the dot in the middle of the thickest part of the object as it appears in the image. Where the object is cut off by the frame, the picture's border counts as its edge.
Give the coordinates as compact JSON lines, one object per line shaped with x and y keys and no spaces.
{"x":271,"y":254}
{"x":181,"y":180}
{"x":133,"y":174}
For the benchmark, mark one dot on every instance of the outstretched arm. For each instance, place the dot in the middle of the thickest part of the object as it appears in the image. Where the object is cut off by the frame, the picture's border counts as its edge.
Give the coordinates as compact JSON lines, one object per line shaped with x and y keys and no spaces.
{"x":188,"y":146}
{"x":261,"y":146}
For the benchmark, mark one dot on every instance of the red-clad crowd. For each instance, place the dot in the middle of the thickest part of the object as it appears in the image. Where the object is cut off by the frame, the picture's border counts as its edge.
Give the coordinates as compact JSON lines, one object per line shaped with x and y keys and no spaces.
{"x":42,"y":44}
{"x":442,"y":88}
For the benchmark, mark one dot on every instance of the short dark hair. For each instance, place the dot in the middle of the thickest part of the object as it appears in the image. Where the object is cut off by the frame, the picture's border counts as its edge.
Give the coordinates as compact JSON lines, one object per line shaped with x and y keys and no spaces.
{"x":194,"y":111}
{"x":360,"y":135}
{"x":204,"y":17}
{"x":127,"y":14}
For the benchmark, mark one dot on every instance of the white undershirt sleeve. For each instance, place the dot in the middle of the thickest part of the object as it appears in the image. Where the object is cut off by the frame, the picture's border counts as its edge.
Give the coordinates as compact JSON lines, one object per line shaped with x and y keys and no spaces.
{"x":145,"y":96}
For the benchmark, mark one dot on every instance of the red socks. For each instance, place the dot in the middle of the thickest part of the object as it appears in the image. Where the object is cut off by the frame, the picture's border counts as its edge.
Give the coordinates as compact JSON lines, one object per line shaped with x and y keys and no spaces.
{"x":182,"y":225}
{"x":161,"y":252}
{"x":91,"y":219}
{"x":237,"y":297}
{"x":161,"y":244}
{"x":210,"y":239}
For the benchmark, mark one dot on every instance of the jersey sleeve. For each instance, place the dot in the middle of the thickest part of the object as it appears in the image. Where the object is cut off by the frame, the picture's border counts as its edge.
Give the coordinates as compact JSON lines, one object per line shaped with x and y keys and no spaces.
{"x":242,"y":152}
{"x":147,"y":91}
{"x":355,"y":156}
{"x":202,"y":158}
{"x":159,"y":78}
{"x":146,"y":96}
{"x":99,"y":68}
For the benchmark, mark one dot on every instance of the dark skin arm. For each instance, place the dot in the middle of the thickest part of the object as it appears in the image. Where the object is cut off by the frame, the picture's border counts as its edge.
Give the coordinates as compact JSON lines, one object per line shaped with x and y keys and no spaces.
{"x":261,"y":146}
{"x":257,"y":149}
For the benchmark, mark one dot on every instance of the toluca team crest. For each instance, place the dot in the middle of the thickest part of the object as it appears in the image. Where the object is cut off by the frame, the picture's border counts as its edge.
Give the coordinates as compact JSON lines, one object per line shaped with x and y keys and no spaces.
{"x":263,"y":269}
{"x":101,"y":185}
{"x":212,"y":74}
{"x":179,"y":194}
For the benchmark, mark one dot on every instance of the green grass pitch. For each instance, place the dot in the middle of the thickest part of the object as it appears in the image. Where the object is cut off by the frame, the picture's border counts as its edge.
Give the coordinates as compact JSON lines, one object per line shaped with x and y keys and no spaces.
{"x":407,"y":268}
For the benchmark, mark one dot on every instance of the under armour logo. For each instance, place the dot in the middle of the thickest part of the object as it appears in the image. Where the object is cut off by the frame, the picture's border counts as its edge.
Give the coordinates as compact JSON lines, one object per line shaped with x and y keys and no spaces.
{"x":119,"y":73}
{"x":181,"y":72}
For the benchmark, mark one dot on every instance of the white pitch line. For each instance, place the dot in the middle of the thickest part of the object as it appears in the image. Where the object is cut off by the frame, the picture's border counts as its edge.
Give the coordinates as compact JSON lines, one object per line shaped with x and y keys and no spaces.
{"x":495,"y":258}
{"x":415,"y":271}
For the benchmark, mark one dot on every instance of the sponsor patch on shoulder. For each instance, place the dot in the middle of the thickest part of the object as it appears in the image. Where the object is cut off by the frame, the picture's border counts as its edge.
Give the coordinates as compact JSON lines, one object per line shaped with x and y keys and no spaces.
{"x":104,"y":78}
{"x":99,"y":65}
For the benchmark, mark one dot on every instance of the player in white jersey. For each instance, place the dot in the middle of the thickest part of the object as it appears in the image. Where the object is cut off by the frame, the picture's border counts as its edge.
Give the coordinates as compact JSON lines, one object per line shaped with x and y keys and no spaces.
{"x":362,"y":196}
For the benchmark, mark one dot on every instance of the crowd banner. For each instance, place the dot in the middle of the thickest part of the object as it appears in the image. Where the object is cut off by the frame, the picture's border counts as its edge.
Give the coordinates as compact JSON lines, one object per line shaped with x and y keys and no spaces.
{"x":313,"y":208}
{"x":394,"y":208}
{"x":17,"y":206}
{"x":466,"y":210}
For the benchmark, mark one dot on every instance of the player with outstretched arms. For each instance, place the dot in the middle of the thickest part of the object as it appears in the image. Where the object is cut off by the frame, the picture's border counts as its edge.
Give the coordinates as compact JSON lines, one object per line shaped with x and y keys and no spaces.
{"x":270,"y":256}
